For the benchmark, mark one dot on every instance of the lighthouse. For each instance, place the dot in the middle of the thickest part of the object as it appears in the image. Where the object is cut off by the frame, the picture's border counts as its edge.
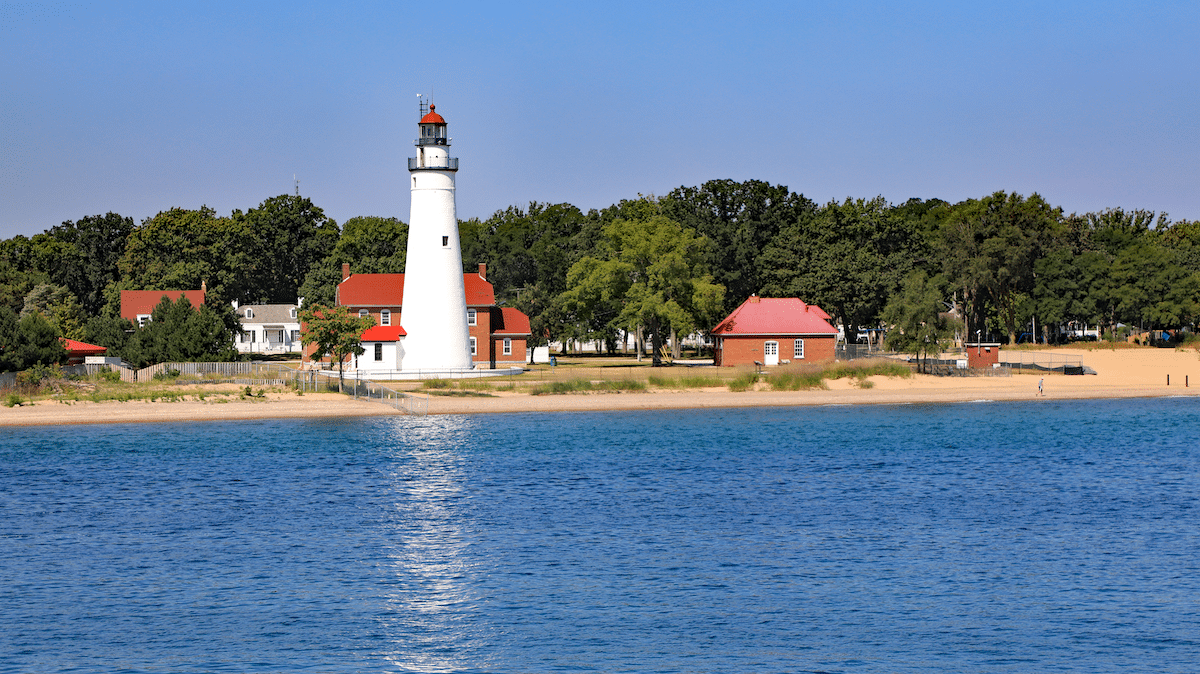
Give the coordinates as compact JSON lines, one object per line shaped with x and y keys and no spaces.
{"x":434,"y":302}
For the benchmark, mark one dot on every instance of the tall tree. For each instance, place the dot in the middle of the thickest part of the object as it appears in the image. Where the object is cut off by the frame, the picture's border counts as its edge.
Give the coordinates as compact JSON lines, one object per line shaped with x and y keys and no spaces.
{"x":654,"y":269}
{"x":989,"y":247}
{"x":97,"y":243}
{"x":180,"y":249}
{"x":848,"y":259}
{"x":289,"y":235}
{"x":917,"y":319}
{"x":739,"y":220}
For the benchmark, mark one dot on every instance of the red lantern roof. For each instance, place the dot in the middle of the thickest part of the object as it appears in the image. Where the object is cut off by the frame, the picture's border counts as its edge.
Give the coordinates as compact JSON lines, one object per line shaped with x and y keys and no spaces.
{"x":433,"y":117}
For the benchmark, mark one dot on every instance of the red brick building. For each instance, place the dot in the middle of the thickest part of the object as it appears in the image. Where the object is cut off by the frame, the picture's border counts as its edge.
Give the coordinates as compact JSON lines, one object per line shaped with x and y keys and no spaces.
{"x":773,"y":331}
{"x":499,"y":335}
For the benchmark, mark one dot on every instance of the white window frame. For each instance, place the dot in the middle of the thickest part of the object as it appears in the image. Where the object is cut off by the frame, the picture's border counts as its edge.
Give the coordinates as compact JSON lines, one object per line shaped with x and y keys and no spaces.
{"x":508,"y":346}
{"x":798,"y":349}
{"x":143,"y":319}
{"x":363,"y":313}
{"x":292,"y":312}
{"x":385,"y":317}
{"x":472,"y":318}
{"x":474,"y":351}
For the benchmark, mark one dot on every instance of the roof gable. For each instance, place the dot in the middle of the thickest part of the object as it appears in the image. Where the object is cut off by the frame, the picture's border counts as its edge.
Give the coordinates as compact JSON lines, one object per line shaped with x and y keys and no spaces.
{"x":512,"y":322}
{"x":775,"y":316}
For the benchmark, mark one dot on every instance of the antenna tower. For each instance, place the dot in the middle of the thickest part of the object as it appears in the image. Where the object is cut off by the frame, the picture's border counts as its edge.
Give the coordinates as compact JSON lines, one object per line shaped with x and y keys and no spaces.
{"x":297,"y":181}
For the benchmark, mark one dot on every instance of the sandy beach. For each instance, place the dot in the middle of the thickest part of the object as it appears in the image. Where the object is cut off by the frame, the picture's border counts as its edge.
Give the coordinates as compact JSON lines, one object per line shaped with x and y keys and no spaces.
{"x":1125,"y":373}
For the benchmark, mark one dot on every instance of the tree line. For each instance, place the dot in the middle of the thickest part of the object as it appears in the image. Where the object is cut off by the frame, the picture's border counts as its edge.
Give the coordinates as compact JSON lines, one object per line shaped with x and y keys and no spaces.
{"x":658,"y":266}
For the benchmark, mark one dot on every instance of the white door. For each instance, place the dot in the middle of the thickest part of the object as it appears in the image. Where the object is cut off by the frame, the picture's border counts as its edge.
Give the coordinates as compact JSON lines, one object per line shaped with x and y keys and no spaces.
{"x":770,"y":353}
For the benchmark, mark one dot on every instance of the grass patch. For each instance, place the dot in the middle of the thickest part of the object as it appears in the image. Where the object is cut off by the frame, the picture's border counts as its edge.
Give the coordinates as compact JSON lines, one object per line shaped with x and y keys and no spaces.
{"x":586,"y":385}
{"x":436,"y":384}
{"x":796,"y":380}
{"x":453,"y":393}
{"x":685,"y":382}
{"x":743,"y":382}
{"x":861,"y":369}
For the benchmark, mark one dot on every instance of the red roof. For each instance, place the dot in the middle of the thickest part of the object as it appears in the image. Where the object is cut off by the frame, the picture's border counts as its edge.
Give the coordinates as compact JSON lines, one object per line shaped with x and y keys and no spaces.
{"x":512,"y":322}
{"x":383,"y":333}
{"x":77,"y":348}
{"x":432,"y":117}
{"x":775,"y":316}
{"x":135,"y":302}
{"x":387,"y":290}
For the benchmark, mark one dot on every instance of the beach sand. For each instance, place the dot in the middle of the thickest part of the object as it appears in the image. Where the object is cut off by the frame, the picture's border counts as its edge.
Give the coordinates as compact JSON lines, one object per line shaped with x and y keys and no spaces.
{"x":1125,"y":373}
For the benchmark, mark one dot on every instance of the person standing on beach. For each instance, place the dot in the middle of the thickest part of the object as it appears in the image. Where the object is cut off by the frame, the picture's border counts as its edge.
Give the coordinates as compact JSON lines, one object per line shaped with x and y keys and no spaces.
{"x":1040,"y":386}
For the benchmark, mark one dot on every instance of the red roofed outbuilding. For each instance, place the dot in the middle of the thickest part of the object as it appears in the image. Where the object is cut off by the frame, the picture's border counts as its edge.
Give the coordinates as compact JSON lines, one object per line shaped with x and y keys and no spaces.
{"x":77,"y":351}
{"x":774,"y":330}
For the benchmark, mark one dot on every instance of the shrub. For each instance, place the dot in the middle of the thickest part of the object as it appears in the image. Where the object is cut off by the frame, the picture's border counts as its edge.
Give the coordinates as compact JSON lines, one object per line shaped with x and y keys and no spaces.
{"x":13,"y":400}
{"x":166,"y":373}
{"x":436,"y":383}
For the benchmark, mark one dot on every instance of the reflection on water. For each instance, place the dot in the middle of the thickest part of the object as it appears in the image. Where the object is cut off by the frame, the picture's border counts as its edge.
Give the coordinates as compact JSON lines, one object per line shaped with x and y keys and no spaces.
{"x":430,"y":623}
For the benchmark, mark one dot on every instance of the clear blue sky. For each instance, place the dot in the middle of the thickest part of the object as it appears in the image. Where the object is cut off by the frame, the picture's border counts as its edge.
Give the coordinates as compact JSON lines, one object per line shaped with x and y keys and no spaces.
{"x":138,"y":107}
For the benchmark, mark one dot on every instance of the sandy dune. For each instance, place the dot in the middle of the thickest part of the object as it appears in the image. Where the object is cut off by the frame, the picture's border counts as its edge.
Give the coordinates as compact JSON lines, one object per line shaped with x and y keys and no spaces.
{"x":1121,"y":374}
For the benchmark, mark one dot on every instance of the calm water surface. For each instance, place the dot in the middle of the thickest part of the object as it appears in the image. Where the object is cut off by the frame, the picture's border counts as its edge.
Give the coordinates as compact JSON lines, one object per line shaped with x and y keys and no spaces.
{"x":980,"y":537}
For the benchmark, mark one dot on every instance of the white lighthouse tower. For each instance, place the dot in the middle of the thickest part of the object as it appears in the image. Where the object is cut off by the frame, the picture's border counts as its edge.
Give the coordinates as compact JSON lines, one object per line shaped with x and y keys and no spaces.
{"x":434,"y":313}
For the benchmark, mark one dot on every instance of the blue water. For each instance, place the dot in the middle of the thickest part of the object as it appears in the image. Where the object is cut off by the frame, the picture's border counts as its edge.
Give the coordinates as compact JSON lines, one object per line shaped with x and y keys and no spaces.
{"x":979,"y":537}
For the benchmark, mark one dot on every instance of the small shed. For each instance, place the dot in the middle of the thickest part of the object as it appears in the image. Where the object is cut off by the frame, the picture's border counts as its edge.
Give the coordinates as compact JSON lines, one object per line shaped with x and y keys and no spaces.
{"x":78,"y":352}
{"x":982,"y":354}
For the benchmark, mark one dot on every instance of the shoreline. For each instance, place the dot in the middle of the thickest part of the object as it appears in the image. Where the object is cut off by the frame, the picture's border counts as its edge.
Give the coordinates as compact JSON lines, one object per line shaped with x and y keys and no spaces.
{"x":1121,"y":374}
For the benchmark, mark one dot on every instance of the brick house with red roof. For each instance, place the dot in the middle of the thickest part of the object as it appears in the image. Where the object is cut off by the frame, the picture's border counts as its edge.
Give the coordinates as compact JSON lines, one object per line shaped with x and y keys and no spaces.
{"x":774,"y":330}
{"x":499,"y":335}
{"x":137,"y":305}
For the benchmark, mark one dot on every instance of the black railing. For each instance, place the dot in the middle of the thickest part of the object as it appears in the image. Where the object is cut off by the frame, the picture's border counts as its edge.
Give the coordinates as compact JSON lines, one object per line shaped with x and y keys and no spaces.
{"x":431,"y":141}
{"x":449,"y":164}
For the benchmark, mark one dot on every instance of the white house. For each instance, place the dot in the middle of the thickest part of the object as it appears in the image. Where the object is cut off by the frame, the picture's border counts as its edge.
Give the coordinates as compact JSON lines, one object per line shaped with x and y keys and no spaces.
{"x":268,"y":328}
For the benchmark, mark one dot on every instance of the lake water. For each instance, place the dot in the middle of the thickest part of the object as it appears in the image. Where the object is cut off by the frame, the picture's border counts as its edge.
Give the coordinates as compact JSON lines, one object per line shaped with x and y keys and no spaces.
{"x":1018,"y":537}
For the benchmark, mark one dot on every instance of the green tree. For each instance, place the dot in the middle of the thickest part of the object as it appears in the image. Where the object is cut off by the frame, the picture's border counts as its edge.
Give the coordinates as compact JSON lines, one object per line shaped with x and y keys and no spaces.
{"x":177,"y":332}
{"x":29,"y":341}
{"x":848,"y":259}
{"x":94,"y":245}
{"x":653,"y":269}
{"x":739,"y":220}
{"x":528,"y":253}
{"x":334,"y":332}
{"x":288,"y":237}
{"x":112,"y":332}
{"x":58,"y":305}
{"x":989,"y":248}
{"x":370,"y":244}
{"x":917,"y":319}
{"x":181,"y":249}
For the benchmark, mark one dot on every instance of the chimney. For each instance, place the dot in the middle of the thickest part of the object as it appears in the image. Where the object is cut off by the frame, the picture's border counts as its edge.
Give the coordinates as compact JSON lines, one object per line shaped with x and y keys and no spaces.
{"x":807,"y":307}
{"x":203,"y":287}
{"x":483,"y":271}
{"x":753,"y":299}
{"x":345,"y":270}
